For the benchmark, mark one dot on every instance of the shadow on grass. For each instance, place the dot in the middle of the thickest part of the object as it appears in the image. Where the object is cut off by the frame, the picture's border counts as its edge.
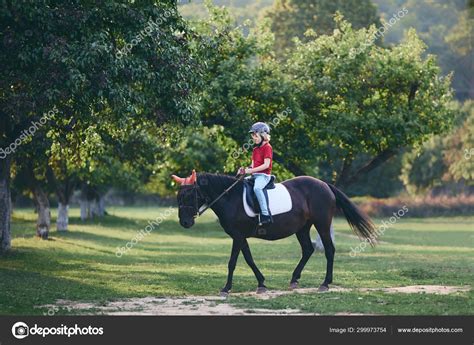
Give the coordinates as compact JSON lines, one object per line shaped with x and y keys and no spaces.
{"x":104,"y":240}
{"x":168,"y":226}
{"x":34,"y":289}
{"x":108,"y":220}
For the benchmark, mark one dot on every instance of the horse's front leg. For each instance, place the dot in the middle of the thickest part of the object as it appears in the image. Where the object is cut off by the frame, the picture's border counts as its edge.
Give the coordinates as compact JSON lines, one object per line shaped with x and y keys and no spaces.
{"x":236,"y":247}
{"x":249,"y":259}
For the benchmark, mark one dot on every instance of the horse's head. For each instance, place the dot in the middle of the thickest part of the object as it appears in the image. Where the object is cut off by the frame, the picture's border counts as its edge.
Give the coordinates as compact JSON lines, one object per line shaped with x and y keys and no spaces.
{"x":189,"y":199}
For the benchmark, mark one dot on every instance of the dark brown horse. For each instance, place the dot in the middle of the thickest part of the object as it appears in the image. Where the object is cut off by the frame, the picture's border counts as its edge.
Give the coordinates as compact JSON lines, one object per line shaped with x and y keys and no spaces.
{"x":314,"y":202}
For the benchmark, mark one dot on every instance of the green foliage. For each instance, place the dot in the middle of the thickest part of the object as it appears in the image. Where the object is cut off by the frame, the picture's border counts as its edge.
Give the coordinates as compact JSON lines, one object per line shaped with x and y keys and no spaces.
{"x":423,"y":170}
{"x":202,"y":149}
{"x":242,"y":10}
{"x":292,"y":18}
{"x":245,"y":84}
{"x":442,"y":160}
{"x":205,"y":150}
{"x":459,"y":152}
{"x":68,"y":54}
{"x":447,"y":29}
{"x":114,"y":70}
{"x":397,"y":99}
{"x":382,"y":182}
{"x":348,"y":102}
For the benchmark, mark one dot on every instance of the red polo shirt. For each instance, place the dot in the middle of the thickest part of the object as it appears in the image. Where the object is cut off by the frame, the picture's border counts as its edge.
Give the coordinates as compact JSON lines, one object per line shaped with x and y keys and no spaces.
{"x":258,"y":157}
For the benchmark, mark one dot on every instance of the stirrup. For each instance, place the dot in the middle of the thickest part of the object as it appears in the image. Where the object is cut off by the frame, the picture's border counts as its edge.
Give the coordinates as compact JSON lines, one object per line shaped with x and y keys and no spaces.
{"x":266,"y":219}
{"x":259,"y":228}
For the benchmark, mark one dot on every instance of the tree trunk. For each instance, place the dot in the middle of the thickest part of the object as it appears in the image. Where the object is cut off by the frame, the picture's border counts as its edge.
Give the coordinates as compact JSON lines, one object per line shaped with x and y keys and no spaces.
{"x":84,"y":203}
{"x":94,"y":208}
{"x":92,"y":202}
{"x":85,"y":209}
{"x":64,"y":188}
{"x":44,"y":213}
{"x":63,"y":217}
{"x":344,"y":174}
{"x":5,"y":205}
{"x":101,"y":206}
{"x":63,"y":193}
{"x":96,"y":202}
{"x":375,"y":162}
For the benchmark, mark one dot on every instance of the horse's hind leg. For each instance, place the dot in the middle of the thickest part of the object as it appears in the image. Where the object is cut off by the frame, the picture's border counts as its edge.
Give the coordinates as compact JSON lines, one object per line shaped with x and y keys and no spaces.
{"x":307,"y":250}
{"x":324,"y":230}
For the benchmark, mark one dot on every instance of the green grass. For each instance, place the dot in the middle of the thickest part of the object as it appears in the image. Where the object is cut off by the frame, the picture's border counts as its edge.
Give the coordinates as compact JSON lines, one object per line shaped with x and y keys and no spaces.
{"x":82,"y":265}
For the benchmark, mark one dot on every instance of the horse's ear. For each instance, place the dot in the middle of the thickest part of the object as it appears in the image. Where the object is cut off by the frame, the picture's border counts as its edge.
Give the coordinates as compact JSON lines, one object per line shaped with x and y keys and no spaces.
{"x":178,"y":179}
{"x":193,"y":178}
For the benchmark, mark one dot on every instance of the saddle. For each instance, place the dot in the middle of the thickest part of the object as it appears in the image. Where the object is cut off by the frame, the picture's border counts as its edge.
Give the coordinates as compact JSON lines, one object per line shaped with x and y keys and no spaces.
{"x":250,"y":196}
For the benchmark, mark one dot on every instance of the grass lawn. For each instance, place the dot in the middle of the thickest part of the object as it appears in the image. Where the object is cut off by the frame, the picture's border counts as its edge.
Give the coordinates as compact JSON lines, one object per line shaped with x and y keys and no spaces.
{"x":82,"y":265}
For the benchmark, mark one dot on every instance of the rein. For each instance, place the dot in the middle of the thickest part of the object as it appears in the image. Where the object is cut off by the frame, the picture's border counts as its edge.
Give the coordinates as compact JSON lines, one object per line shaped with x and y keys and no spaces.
{"x":205,"y":207}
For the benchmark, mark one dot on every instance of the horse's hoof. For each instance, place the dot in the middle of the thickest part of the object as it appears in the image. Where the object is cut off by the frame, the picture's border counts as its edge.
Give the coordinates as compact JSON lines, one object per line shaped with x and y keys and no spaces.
{"x":323,"y":288}
{"x":293,"y":286}
{"x":261,"y":289}
{"x":224,"y":293}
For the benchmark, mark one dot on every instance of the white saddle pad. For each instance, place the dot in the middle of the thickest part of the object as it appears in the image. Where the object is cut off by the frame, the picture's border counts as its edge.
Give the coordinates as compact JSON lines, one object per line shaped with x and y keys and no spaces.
{"x":279,"y":200}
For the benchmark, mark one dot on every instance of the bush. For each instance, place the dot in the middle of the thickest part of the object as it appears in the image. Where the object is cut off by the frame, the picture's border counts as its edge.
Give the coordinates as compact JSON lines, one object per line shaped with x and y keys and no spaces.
{"x":421,"y":206}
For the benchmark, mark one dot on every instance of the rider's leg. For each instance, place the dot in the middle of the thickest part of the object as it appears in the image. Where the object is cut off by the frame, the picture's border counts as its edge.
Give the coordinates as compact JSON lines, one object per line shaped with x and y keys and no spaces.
{"x":261,"y":180}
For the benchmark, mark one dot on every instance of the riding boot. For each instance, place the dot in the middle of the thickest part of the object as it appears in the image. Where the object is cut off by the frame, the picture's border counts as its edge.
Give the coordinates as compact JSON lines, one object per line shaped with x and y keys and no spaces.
{"x":264,"y":219}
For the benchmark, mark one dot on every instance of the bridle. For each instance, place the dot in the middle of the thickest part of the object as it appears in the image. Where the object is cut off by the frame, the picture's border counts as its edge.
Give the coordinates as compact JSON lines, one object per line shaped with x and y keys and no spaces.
{"x":196,"y":189}
{"x":196,"y":195}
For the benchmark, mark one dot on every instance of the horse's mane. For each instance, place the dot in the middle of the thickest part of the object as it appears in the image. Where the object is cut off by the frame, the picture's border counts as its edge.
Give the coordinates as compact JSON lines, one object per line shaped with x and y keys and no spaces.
{"x":216,"y":182}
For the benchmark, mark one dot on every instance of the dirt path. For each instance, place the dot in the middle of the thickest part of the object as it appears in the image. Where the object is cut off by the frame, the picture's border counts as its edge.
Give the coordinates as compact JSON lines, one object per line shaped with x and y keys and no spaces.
{"x":195,"y":305}
{"x":430,"y":289}
{"x":214,"y":305}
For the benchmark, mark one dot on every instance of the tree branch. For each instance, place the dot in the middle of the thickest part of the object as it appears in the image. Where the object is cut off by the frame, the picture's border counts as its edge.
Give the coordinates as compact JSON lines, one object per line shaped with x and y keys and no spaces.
{"x":411,"y":96}
{"x":343,"y":176}
{"x":375,"y":162}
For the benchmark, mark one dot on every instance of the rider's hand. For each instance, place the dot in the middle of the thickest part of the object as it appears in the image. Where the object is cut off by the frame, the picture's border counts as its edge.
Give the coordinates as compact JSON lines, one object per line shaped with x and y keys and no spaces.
{"x":247,"y":170}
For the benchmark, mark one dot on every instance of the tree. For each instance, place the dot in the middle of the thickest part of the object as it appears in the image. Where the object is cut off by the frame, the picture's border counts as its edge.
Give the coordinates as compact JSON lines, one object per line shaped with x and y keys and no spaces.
{"x":423,"y":170}
{"x":443,"y":160}
{"x":359,"y":98}
{"x":446,"y":28}
{"x":459,"y":153}
{"x":115,"y":157}
{"x":5,"y":205}
{"x":30,"y":176}
{"x":132,"y":58}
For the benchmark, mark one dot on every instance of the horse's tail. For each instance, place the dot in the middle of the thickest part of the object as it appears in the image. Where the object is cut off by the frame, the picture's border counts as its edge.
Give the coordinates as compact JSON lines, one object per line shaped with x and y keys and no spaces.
{"x":359,"y":222}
